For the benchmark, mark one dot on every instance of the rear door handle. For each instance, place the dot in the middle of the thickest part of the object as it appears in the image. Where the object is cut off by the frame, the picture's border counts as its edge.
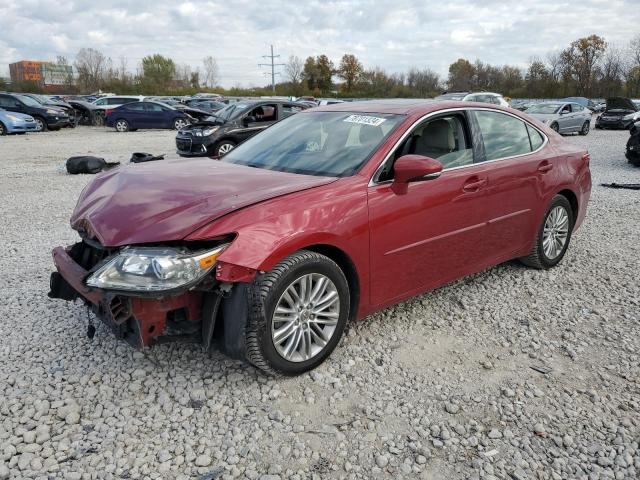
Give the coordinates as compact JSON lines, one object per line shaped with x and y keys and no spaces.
{"x":545,"y":167}
{"x":474,"y":185}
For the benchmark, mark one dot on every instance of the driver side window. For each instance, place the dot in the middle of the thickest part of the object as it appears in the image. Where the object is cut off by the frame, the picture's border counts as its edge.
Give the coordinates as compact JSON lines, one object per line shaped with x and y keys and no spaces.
{"x":264,"y":113}
{"x":444,"y":138}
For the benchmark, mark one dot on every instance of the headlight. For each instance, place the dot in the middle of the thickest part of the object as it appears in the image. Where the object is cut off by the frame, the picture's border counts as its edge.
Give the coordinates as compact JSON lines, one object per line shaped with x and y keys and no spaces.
{"x":209,"y":131}
{"x":15,"y":119}
{"x":632,"y":116}
{"x":52,"y":112}
{"x":151,"y":269}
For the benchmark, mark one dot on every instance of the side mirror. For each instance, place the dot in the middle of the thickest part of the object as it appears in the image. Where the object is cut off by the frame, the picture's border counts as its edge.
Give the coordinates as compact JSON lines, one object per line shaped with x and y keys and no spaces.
{"x":249,"y":119}
{"x":414,"y":168}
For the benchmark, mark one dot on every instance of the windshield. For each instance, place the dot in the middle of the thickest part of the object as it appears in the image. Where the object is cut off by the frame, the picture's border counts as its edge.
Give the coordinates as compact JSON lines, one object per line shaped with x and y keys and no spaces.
{"x":544,"y":108}
{"x":231,"y":110}
{"x":317,"y":143}
{"x":29,"y":101}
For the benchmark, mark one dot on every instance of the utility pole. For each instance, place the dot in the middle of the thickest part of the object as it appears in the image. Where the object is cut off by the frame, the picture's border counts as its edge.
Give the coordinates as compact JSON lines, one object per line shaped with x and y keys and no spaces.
{"x":273,"y":68}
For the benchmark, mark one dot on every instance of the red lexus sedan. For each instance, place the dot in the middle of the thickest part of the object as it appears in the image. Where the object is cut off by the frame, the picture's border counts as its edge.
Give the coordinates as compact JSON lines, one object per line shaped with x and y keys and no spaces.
{"x":323,"y":218}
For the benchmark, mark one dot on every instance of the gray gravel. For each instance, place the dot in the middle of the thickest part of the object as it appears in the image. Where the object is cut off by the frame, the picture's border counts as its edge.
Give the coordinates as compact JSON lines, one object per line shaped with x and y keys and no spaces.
{"x":439,"y":387}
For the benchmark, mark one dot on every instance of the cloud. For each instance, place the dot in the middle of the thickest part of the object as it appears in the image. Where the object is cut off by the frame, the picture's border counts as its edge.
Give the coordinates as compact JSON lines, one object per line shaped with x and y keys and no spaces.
{"x":392,"y":34}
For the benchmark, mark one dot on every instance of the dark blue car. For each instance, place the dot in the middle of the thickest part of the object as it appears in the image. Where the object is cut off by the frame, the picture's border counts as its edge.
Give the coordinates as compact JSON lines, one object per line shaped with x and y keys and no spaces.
{"x":135,"y":115}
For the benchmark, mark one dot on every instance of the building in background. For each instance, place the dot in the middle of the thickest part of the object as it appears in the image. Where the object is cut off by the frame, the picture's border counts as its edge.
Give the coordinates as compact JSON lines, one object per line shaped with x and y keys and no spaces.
{"x":52,"y":77}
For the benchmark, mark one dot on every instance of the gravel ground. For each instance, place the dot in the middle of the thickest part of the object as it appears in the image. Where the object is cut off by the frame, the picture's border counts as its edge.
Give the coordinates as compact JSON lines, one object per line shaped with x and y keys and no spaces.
{"x":440,"y":387}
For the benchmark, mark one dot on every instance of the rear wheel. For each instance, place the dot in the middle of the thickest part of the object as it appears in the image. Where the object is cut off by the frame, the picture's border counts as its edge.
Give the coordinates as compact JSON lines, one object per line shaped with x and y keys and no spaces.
{"x":297,"y":313}
{"x":553,"y":237}
{"x":585,"y":128}
{"x":122,"y":125}
{"x":179,"y":123}
{"x":224,"y":147}
{"x":3,"y":129}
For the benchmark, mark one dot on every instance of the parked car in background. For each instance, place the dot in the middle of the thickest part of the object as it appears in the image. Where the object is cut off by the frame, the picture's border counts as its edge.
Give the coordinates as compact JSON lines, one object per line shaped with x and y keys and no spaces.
{"x":13,"y":122}
{"x":486,"y":97}
{"x":231,"y":126}
{"x":585,"y":102}
{"x":46,"y":118}
{"x":87,"y":113}
{"x":619,"y":113}
{"x":111,"y":102}
{"x":205,"y":104}
{"x":135,"y":115}
{"x":456,"y":96}
{"x":56,"y":103}
{"x":562,"y":117}
{"x":326,"y":217}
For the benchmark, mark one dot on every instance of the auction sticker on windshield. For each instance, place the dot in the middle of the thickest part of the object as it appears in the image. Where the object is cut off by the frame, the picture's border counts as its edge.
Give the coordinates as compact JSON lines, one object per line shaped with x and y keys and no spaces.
{"x":364,"y":120}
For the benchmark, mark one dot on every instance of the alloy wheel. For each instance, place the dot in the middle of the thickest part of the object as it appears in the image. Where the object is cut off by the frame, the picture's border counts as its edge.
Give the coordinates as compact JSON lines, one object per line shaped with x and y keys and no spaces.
{"x":2,"y":129}
{"x":39,"y":125}
{"x":179,"y":124}
{"x":305,"y":317}
{"x":585,"y":128}
{"x":121,"y":126}
{"x":555,"y":232}
{"x":225,"y":148}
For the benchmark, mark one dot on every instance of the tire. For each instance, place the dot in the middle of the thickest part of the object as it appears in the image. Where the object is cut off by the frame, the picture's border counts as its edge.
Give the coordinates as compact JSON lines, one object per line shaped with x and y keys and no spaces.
{"x":3,"y":129}
{"x":538,"y":257}
{"x":42,"y":125}
{"x":180,"y":123}
{"x":224,"y":147}
{"x":554,"y":126}
{"x":271,"y":290}
{"x":585,"y":128}
{"x":121,"y":125}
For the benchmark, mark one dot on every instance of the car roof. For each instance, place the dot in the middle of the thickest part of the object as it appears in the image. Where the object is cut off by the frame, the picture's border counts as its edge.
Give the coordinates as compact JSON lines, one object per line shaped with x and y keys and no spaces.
{"x":404,"y":106}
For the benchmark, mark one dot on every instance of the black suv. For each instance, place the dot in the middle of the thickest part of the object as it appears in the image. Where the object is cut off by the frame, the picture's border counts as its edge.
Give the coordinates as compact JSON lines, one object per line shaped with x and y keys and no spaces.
{"x":46,"y":117}
{"x":231,"y":126}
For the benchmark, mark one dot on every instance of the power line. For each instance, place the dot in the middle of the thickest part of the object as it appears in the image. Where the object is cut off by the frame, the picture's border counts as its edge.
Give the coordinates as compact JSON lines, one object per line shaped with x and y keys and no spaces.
{"x":273,"y":67}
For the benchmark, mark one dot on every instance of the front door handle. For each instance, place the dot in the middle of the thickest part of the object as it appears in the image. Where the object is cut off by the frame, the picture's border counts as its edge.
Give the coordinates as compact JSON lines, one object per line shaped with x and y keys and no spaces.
{"x":474,"y":185}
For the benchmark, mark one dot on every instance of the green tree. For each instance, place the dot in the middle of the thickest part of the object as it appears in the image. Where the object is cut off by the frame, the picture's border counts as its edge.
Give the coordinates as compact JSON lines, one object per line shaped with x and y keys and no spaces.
{"x":325,"y":70}
{"x":350,"y":70}
{"x":158,"y":73}
{"x":461,"y":73}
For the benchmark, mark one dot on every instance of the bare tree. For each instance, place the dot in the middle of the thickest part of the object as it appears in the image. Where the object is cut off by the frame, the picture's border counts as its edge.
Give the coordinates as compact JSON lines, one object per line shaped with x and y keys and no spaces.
{"x":211,"y":72}
{"x":294,"y":69}
{"x":91,"y":66}
{"x":613,"y":72}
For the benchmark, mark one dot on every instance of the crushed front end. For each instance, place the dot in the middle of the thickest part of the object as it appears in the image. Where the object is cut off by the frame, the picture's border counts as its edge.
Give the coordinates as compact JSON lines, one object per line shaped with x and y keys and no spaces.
{"x":145,"y":295}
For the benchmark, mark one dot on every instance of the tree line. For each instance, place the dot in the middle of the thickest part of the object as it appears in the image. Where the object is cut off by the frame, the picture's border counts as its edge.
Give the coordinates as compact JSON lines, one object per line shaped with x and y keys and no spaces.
{"x":588,"y":67}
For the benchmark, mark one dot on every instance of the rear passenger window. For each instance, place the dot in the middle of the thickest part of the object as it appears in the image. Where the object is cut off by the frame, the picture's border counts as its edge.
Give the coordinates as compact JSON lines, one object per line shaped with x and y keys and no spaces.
{"x":503,"y":135}
{"x":535,"y":137}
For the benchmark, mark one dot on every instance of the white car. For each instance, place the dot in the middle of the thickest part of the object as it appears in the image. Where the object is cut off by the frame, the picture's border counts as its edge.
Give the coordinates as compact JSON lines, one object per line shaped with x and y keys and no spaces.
{"x":115,"y":101}
{"x":486,"y":97}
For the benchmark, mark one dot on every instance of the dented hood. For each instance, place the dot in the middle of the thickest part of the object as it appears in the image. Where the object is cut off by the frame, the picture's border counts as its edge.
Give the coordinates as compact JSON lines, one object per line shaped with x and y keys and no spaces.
{"x":167,"y":200}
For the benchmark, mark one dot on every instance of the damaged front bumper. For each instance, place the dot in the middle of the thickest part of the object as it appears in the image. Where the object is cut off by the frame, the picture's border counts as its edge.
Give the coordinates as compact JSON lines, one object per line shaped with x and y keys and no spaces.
{"x":140,"y":319}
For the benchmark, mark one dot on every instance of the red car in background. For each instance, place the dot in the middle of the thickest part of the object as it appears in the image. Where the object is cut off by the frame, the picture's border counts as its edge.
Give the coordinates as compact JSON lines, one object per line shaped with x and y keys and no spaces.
{"x":322,"y":218}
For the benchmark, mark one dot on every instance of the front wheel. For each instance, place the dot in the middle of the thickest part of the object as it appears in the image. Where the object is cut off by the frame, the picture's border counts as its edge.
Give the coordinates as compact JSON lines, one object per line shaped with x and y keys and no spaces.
{"x":555,"y":127}
{"x":553,"y":237}
{"x":224,"y":147}
{"x":122,"y":125}
{"x":3,"y":129}
{"x":297,"y":313}
{"x":585,"y":128}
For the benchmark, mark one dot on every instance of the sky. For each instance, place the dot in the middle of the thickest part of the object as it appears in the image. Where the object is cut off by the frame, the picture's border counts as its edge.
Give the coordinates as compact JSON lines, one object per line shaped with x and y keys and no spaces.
{"x":394,"y":35}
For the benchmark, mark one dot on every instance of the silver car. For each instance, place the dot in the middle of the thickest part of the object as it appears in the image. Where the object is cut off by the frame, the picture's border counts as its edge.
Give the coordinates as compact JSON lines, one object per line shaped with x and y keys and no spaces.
{"x":562,"y":117}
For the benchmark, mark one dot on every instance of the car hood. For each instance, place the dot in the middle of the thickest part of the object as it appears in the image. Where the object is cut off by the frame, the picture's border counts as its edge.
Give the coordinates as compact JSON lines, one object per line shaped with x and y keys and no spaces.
{"x":167,"y":200}
{"x":620,"y":103}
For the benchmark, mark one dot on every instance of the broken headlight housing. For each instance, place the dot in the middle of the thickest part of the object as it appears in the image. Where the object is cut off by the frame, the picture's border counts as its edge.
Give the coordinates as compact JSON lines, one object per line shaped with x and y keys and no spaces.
{"x":154,"y":269}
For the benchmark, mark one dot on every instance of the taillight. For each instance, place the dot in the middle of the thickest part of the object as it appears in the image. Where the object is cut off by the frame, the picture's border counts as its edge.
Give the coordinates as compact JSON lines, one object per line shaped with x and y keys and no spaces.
{"x":586,"y":158}
{"x":108,"y":111}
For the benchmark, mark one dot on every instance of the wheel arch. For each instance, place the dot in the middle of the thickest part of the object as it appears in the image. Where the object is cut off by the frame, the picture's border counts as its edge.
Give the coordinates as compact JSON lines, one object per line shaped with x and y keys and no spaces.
{"x":573,"y":201}
{"x":348,"y":268}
